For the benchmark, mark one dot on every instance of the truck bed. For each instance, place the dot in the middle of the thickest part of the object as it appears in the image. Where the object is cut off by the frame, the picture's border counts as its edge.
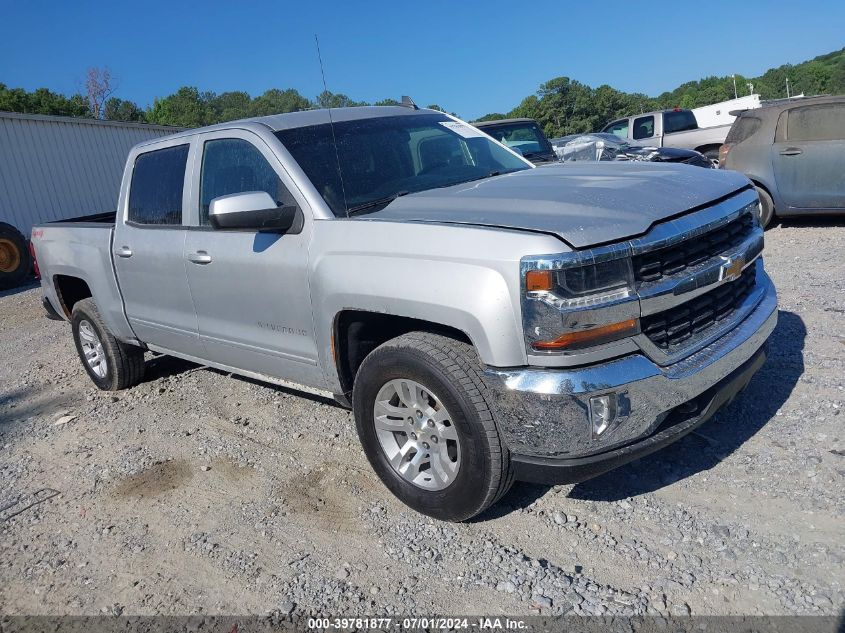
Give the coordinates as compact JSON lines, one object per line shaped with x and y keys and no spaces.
{"x":81,"y":248}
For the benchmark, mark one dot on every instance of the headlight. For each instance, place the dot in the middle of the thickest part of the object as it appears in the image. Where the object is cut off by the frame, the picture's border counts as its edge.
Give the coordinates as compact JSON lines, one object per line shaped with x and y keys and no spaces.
{"x":582,"y":285}
{"x":571,"y":304}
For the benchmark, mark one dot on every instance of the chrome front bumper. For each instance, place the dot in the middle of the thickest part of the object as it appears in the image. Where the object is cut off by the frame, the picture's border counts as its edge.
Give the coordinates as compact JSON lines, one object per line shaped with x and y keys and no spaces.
{"x":543,"y":414}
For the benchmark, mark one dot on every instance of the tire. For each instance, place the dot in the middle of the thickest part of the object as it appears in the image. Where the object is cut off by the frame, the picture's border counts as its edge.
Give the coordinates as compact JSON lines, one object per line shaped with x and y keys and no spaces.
{"x":120,"y":365}
{"x":767,"y":207}
{"x":712,"y":155}
{"x":15,"y":261}
{"x":448,"y":373}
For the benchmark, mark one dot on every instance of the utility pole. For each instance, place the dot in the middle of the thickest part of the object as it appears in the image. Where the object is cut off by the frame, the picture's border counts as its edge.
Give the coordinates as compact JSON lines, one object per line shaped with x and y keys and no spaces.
{"x":736,"y":96}
{"x":787,"y":87}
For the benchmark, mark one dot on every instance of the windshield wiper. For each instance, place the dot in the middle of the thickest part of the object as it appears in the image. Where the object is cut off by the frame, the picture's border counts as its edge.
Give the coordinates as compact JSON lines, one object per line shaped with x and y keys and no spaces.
{"x":376,"y":203}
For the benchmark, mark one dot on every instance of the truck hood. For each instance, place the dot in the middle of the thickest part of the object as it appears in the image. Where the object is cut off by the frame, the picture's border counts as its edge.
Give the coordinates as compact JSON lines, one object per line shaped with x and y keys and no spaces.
{"x":582,"y":204}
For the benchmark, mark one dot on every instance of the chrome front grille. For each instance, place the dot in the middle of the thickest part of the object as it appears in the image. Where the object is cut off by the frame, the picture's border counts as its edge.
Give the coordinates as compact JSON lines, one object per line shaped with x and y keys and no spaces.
{"x":672,"y":329}
{"x":671,"y":260}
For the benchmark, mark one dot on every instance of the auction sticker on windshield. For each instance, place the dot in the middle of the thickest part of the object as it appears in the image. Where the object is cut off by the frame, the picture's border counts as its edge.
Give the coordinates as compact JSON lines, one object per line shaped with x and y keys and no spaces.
{"x":467,"y":131}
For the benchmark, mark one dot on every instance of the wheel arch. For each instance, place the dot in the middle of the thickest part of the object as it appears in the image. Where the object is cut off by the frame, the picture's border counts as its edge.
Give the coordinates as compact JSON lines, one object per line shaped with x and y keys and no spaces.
{"x":356,"y":333}
{"x":708,"y":147}
{"x":70,"y":289}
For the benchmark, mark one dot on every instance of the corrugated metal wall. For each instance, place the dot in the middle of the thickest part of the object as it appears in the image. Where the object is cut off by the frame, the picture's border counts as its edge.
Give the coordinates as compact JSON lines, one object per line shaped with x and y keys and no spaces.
{"x":54,"y":168}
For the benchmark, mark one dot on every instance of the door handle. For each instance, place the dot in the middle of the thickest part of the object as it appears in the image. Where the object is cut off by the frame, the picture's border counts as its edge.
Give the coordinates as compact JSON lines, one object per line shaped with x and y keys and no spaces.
{"x":200,"y":257}
{"x":124,"y":251}
{"x":792,"y":151}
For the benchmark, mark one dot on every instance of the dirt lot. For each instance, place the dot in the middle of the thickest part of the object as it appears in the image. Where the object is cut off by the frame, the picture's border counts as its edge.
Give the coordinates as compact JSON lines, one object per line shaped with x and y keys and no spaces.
{"x":196,"y":492}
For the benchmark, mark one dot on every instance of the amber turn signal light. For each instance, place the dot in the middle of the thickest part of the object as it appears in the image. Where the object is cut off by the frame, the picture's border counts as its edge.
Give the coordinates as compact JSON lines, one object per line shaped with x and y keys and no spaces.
{"x":538,"y":280}
{"x":593,"y":336}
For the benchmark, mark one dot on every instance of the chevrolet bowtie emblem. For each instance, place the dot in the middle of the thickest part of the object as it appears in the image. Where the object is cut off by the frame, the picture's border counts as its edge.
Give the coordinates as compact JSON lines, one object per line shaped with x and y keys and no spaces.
{"x":731,"y":268}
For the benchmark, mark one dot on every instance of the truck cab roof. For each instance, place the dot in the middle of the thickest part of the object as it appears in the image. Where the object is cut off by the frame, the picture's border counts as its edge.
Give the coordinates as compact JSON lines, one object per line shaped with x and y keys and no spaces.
{"x":304,"y":118}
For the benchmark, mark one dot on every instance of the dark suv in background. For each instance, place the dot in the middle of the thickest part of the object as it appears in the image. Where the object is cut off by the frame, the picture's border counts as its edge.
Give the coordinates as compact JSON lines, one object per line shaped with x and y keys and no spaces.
{"x":521,"y":135}
{"x":794,"y":152}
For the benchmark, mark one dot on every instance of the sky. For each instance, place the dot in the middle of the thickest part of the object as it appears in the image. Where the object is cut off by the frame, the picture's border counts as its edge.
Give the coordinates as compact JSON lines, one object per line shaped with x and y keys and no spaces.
{"x":470,"y":58}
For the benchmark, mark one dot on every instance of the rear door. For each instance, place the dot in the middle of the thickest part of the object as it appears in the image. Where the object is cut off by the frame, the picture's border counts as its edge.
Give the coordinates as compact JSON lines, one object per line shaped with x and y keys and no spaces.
{"x":148,"y":250}
{"x":808,"y":156}
{"x":250,"y":288}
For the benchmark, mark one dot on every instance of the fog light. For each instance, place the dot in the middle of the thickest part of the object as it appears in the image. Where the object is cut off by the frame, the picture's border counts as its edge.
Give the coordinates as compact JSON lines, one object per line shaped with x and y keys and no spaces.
{"x":606,"y":411}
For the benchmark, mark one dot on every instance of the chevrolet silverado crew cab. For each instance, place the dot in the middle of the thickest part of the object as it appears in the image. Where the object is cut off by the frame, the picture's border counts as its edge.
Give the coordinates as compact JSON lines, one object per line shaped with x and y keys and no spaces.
{"x":485,"y":320}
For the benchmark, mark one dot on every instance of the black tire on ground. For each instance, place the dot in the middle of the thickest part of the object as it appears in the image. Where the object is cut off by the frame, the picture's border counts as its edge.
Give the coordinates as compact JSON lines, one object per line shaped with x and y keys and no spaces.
{"x":15,"y":261}
{"x":767,"y":207}
{"x":712,"y":155}
{"x":124,"y":363}
{"x":450,"y":369}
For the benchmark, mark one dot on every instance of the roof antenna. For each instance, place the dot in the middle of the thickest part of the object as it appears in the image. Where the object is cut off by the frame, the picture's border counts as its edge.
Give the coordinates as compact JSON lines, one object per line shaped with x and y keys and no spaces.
{"x":407,"y":102}
{"x":331,"y":124}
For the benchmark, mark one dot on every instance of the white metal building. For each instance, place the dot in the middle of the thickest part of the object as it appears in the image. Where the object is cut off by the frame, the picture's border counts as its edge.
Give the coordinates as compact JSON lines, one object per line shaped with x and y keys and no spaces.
{"x":55,"y":167}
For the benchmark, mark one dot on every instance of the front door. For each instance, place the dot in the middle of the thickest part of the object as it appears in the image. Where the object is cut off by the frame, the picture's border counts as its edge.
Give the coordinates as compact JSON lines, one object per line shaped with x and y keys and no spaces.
{"x":148,"y":251}
{"x":250,"y":288}
{"x":808,"y":156}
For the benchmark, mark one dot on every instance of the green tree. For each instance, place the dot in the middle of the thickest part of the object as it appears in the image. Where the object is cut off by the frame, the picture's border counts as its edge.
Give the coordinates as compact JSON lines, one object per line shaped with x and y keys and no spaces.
{"x":228,"y":106}
{"x":275,"y":101}
{"x":119,"y":110}
{"x":327,"y":99}
{"x":187,"y":107}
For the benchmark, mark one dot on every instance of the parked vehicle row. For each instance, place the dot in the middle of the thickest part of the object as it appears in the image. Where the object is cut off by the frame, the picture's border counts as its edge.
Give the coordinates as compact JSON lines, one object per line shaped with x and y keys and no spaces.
{"x":670,"y":128}
{"x":486,"y":320}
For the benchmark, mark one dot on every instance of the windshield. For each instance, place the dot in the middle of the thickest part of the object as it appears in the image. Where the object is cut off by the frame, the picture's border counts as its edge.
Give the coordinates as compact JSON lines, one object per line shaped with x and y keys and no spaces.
{"x":381,"y":158}
{"x":524,"y":136}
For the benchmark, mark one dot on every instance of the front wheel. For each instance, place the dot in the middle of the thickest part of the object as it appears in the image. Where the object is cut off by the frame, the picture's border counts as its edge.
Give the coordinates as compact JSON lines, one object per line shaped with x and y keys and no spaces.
{"x":422,"y":416}
{"x":712,"y":155}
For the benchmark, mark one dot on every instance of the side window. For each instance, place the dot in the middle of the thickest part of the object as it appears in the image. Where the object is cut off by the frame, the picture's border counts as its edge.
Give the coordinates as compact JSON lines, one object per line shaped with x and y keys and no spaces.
{"x":158,"y":178}
{"x":643,"y":127}
{"x":824,"y":122}
{"x":233,"y":165}
{"x":743,"y":127}
{"x":619,"y":128}
{"x":678,"y":121}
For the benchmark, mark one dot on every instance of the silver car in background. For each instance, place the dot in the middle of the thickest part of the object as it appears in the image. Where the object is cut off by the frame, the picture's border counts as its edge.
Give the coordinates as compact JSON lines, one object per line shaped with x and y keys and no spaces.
{"x":794,"y":153}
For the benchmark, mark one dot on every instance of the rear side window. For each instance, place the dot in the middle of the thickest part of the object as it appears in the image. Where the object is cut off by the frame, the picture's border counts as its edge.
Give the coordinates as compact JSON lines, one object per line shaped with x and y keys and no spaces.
{"x":643,"y":127}
{"x":679,"y":121}
{"x":817,"y":123}
{"x":233,"y":165}
{"x":744,"y":127}
{"x":155,"y":195}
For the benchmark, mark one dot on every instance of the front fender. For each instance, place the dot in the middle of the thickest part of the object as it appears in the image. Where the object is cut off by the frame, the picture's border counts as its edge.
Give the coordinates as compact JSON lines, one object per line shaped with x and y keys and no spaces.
{"x":465,"y":278}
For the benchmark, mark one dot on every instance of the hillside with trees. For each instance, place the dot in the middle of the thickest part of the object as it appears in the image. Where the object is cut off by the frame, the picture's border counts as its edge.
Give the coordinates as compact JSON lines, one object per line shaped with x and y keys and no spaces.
{"x":561,"y":105}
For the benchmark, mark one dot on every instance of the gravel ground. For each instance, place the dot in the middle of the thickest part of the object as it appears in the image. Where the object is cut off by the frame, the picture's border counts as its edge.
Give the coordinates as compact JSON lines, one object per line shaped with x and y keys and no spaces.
{"x":197,"y":492}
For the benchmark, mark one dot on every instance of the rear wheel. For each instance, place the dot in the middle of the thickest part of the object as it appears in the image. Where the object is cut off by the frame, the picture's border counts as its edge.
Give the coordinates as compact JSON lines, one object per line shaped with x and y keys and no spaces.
{"x":422,"y":416}
{"x":767,"y":208}
{"x":110,"y":363}
{"x":15,"y":262}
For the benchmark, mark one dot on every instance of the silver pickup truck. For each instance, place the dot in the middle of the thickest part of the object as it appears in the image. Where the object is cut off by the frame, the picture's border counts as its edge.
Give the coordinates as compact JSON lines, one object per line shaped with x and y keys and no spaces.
{"x":671,"y":128}
{"x":486,"y":320}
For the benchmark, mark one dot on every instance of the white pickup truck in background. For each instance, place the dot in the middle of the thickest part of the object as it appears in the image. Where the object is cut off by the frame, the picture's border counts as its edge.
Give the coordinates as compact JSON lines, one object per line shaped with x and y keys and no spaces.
{"x":670,"y":128}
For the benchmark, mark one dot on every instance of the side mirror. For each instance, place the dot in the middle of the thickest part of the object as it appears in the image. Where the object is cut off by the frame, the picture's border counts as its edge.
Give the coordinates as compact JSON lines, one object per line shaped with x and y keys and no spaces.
{"x":253,"y":210}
